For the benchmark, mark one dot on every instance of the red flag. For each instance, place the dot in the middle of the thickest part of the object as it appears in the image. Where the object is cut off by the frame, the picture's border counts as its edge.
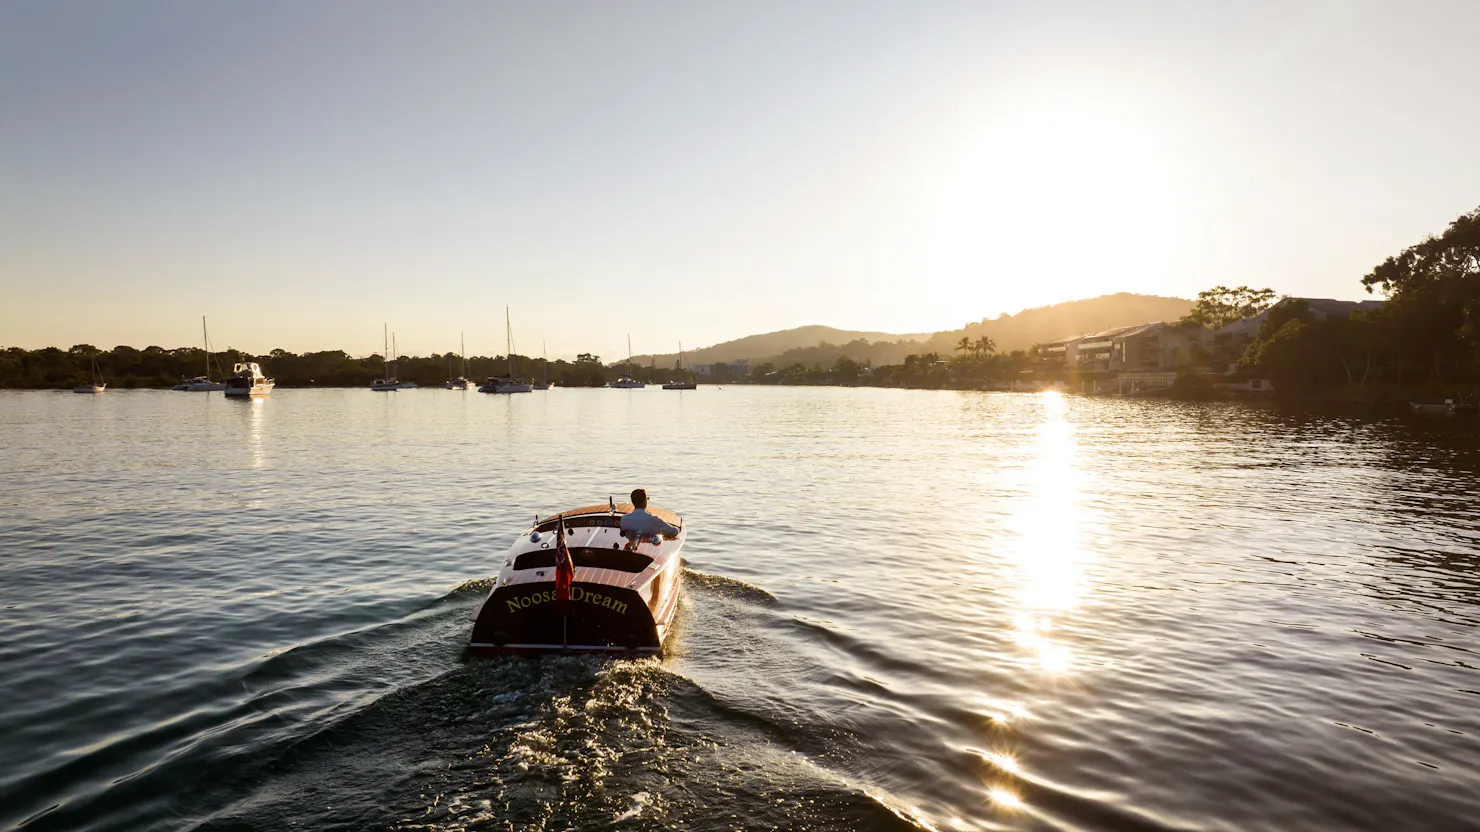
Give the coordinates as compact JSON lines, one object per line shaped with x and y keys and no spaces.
{"x":565,"y":571}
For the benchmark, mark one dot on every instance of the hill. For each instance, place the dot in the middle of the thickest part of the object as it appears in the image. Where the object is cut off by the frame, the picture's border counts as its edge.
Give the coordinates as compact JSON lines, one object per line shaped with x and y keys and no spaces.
{"x":811,"y":345}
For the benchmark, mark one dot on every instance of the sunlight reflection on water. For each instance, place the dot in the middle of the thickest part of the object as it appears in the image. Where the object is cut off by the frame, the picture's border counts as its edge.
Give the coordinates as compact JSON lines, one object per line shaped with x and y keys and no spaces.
{"x":1047,"y":554}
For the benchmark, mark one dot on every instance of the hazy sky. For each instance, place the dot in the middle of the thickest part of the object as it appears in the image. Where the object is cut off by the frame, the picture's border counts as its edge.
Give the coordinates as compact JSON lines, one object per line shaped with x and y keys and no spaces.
{"x":302,"y":172}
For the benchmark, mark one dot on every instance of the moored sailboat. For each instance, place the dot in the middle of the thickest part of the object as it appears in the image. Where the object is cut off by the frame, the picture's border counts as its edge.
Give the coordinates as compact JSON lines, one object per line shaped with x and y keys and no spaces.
{"x":626,"y":381}
{"x":461,"y":382}
{"x":201,"y":384}
{"x":389,"y":382}
{"x":97,"y":385}
{"x":508,"y":383}
{"x":681,"y":384}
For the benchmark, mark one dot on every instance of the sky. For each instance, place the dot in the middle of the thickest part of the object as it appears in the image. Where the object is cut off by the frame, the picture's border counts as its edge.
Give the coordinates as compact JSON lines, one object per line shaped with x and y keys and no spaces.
{"x":306,"y":173}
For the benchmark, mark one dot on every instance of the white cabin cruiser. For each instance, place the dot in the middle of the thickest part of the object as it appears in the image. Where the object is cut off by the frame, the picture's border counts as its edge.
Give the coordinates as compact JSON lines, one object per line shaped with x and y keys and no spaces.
{"x":503,"y":384}
{"x":622,"y":598}
{"x":199,"y":384}
{"x":247,"y":380}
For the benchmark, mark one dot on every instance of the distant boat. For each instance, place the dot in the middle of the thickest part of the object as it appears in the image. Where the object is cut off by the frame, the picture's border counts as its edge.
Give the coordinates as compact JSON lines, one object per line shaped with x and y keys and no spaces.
{"x":510,"y":382}
{"x":1446,"y":406}
{"x":390,"y":382}
{"x":461,"y":382}
{"x":545,"y":383}
{"x":202,"y":384}
{"x":626,"y":381}
{"x":247,"y":380}
{"x":680,"y":385}
{"x":96,"y":385}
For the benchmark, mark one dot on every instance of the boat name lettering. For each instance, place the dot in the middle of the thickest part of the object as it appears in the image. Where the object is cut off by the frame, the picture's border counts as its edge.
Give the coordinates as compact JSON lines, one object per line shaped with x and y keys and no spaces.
{"x":524,"y":602}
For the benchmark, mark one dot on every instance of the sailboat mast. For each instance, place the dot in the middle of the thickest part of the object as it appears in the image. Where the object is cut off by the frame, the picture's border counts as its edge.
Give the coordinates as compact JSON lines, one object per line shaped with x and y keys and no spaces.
{"x":206,"y":340}
{"x":629,"y":356}
{"x":509,"y":343}
{"x":386,"y":351}
{"x":463,"y":351}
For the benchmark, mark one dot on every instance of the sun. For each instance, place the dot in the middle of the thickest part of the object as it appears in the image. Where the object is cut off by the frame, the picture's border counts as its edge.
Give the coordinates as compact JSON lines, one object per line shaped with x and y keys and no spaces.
{"x":1055,"y":200}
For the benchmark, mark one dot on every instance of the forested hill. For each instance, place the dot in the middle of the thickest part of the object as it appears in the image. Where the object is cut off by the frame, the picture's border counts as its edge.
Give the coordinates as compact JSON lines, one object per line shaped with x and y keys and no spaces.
{"x":812,"y":344}
{"x":776,"y":343}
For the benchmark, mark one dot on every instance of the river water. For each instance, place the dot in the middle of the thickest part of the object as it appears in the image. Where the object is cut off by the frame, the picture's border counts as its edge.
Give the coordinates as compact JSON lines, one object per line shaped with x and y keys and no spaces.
{"x":903,"y":610}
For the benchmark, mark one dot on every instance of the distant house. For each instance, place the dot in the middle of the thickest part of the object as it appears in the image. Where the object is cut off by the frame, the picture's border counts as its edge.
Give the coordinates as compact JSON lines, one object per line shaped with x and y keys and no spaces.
{"x":1158,"y":348}
{"x":1228,"y":344}
{"x":736,"y":369}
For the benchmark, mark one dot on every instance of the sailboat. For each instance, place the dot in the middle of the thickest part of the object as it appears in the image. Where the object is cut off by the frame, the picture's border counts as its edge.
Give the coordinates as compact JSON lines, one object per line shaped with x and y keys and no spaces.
{"x":96,"y":385}
{"x":627,"y":382}
{"x":544,"y":384}
{"x":508,"y":383}
{"x":390,"y":382}
{"x":202,"y":384}
{"x":681,"y":385}
{"x":461,"y":382}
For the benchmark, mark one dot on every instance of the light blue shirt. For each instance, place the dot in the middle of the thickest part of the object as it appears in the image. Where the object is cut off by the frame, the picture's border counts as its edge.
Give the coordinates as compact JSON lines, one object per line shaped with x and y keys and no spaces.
{"x":641,"y":522}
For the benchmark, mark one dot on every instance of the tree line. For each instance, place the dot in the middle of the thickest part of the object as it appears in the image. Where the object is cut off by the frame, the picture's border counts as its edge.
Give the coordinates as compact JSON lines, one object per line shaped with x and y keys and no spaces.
{"x":1424,"y":338}
{"x":157,"y":367}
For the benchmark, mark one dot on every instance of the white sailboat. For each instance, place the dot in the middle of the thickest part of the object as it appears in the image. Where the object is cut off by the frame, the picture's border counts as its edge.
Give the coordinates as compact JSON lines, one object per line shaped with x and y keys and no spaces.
{"x":509,"y":383}
{"x":626,"y":381}
{"x":96,"y":385}
{"x":202,"y":384}
{"x":461,"y":382}
{"x":681,"y":385}
{"x":390,"y":382}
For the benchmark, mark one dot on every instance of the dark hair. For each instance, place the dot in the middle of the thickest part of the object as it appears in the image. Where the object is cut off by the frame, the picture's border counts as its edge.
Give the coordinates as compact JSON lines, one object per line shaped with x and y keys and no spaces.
{"x":639,"y":498}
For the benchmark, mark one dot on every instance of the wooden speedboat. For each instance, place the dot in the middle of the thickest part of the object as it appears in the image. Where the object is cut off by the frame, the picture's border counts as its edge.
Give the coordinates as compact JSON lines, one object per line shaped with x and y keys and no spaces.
{"x":621,"y":599}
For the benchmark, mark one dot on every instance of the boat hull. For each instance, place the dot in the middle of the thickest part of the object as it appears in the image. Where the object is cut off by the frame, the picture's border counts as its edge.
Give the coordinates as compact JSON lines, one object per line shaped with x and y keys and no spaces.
{"x":248,"y":392}
{"x":526,"y":618}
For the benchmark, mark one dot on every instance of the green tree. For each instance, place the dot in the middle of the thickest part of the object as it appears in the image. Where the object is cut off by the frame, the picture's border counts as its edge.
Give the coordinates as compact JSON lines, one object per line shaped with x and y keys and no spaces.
{"x":1220,"y":306}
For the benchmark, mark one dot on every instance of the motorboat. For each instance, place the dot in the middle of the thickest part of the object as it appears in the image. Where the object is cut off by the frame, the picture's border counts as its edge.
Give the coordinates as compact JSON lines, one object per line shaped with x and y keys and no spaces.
{"x":621,"y":598}
{"x":626,"y":381}
{"x":1446,"y":406}
{"x":503,"y":384}
{"x":201,"y":384}
{"x":247,"y":380}
{"x":97,"y":385}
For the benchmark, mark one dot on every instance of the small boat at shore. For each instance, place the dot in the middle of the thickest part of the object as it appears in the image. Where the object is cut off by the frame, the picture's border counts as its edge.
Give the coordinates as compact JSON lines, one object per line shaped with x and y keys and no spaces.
{"x":1446,"y":406}
{"x":621,"y":599}
{"x":246,"y":380}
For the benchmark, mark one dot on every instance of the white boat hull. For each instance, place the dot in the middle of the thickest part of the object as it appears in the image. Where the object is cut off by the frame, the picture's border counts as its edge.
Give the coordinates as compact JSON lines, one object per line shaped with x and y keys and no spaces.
{"x":89,"y":388}
{"x":249,"y":392}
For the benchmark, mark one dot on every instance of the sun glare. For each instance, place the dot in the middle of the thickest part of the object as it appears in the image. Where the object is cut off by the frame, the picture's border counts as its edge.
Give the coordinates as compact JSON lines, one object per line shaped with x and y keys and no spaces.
{"x":1045,"y":179}
{"x":1047,"y":555}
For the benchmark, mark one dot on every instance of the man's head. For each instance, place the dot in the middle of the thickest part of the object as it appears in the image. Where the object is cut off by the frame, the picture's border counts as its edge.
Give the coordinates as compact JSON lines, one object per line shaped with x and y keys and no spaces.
{"x":639,"y":498}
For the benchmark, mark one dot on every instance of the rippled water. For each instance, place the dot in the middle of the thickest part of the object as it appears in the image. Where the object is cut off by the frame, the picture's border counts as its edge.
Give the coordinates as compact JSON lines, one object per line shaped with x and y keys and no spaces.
{"x":905,"y":609}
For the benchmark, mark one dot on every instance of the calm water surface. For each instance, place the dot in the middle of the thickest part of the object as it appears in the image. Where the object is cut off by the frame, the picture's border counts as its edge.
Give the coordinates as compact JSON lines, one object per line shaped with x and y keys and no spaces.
{"x":904,"y":610}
